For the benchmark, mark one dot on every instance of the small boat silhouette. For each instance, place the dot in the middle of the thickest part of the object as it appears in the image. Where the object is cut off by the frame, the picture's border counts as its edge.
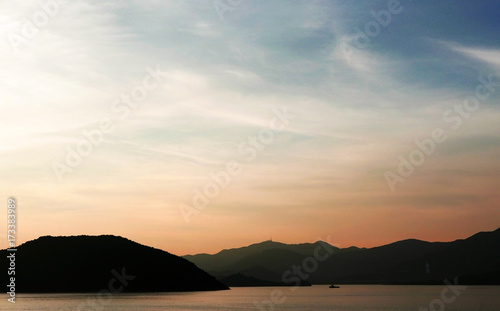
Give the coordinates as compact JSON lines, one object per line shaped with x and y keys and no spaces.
{"x":334,"y":286}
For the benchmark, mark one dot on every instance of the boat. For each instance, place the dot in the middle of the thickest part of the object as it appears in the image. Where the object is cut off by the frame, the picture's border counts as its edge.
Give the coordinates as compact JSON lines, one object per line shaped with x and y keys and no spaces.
{"x":334,"y":286}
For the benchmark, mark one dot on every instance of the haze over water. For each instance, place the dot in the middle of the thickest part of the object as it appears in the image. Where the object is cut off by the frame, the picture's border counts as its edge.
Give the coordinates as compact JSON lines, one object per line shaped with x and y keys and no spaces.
{"x":315,"y":298}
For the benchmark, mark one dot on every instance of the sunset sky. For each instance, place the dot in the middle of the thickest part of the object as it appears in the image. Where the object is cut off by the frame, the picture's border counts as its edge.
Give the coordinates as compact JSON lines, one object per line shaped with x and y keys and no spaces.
{"x":317,"y":101}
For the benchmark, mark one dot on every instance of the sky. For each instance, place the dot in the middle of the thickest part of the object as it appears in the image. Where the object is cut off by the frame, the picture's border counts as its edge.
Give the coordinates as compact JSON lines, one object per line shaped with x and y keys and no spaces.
{"x":195,"y":126}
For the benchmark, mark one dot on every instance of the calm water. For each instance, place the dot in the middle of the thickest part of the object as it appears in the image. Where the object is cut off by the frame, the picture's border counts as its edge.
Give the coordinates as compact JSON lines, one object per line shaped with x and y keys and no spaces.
{"x":318,"y":297}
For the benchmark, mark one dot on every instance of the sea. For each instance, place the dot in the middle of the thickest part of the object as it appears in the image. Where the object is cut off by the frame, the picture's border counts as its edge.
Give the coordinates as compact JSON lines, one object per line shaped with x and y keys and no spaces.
{"x":314,"y":298}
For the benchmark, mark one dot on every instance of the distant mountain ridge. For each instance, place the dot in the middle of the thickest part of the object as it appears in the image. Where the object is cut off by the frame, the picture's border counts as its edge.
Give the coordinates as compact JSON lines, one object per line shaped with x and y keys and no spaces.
{"x":475,"y":260}
{"x":228,"y":257}
{"x":93,"y":263}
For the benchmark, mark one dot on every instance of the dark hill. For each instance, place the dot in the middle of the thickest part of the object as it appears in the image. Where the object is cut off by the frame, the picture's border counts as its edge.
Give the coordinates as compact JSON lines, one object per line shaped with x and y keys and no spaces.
{"x":228,"y":258}
{"x":475,"y":260}
{"x":85,"y":264}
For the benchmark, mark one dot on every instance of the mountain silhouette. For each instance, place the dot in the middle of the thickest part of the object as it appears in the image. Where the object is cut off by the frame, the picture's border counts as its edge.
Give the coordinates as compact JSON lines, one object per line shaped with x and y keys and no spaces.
{"x":235,"y":258}
{"x":93,"y":263}
{"x":475,"y":260}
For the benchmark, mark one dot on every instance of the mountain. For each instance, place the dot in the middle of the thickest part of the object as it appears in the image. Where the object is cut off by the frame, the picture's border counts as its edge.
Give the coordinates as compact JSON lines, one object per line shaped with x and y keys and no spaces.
{"x":475,"y":260}
{"x":418,"y":262}
{"x":264,"y":260}
{"x":93,"y":263}
{"x":270,"y":253}
{"x":226,"y":258}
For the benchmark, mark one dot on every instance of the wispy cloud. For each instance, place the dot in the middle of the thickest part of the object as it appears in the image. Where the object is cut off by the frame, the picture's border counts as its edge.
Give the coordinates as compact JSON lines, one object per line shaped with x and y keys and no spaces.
{"x":221,"y":81}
